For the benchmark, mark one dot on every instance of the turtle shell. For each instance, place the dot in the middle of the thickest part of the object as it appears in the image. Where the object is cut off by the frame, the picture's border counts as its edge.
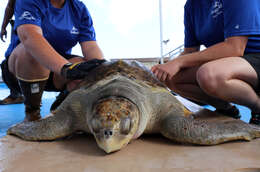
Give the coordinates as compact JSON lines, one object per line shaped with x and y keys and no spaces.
{"x":131,"y":69}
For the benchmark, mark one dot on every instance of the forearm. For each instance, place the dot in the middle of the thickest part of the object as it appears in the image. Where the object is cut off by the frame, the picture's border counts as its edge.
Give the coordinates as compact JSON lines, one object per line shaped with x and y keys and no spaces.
{"x":42,"y":51}
{"x":189,"y":50}
{"x":91,"y":50}
{"x":8,"y":15}
{"x":217,"y":51}
{"x":94,"y":53}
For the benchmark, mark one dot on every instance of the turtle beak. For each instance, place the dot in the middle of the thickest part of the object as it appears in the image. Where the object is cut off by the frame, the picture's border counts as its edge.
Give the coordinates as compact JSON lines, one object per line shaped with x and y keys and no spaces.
{"x":108,"y":147}
{"x":110,"y":141}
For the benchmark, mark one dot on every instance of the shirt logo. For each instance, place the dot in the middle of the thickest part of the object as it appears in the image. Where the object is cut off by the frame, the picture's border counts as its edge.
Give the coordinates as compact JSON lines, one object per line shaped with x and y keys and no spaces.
{"x":217,"y":9}
{"x":74,"y":31}
{"x":26,"y":15}
{"x":237,"y":26}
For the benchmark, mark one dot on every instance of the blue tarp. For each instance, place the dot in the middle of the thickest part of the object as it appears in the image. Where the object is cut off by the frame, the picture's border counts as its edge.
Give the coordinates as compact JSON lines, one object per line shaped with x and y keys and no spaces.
{"x":12,"y":114}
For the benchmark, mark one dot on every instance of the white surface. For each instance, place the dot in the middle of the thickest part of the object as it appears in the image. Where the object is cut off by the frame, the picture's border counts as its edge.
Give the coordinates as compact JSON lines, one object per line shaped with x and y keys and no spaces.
{"x":189,"y":105}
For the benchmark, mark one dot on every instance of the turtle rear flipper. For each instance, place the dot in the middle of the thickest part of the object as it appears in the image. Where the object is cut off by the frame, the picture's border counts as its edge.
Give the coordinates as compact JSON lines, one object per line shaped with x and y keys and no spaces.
{"x":49,"y":128}
{"x":207,"y":131}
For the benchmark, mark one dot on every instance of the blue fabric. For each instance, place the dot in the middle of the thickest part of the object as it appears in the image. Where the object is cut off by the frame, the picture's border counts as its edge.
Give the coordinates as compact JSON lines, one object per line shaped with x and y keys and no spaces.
{"x":208,"y":22}
{"x":62,"y":27}
{"x":13,"y":43}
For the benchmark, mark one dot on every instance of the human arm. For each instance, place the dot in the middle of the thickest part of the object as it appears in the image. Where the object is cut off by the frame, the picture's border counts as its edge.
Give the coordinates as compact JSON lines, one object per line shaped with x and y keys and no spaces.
{"x":30,"y":25}
{"x":231,"y":47}
{"x":93,"y":56}
{"x":9,"y":11}
{"x":31,"y":37}
{"x":158,"y":69}
{"x":33,"y":41}
{"x":91,"y":50}
{"x":188,"y":50}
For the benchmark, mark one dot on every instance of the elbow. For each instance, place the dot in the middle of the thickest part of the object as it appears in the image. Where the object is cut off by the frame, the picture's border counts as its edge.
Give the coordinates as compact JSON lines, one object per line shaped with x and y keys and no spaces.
{"x":239,"y":51}
{"x":28,"y":33}
{"x":22,"y":34}
{"x":237,"y":45}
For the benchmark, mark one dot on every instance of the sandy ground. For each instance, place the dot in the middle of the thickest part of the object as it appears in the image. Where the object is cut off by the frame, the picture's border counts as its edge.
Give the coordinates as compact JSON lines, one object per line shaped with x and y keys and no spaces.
{"x":80,"y":153}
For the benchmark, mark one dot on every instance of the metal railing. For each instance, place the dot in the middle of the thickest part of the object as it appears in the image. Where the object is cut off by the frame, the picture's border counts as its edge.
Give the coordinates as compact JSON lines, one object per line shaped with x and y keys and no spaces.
{"x":175,"y":52}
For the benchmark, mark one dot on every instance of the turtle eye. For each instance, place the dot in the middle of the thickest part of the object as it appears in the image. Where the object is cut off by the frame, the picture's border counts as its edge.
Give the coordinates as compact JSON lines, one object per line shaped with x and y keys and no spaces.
{"x":96,"y":125}
{"x":125,"y":125}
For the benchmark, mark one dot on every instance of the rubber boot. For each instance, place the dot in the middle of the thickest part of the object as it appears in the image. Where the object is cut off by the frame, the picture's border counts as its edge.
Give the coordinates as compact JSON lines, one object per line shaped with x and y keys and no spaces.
{"x":12,"y":83}
{"x":59,"y":99}
{"x":32,"y":92}
{"x":255,"y":119}
{"x":232,"y":112}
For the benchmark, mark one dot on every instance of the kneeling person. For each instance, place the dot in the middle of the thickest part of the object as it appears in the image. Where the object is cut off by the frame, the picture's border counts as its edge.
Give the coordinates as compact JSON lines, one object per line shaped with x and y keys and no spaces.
{"x":42,"y":60}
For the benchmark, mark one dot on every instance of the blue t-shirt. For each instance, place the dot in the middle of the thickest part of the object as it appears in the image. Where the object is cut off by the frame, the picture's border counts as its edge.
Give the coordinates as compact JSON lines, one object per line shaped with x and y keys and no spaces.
{"x":208,"y":22}
{"x":13,"y":43}
{"x":62,"y":27}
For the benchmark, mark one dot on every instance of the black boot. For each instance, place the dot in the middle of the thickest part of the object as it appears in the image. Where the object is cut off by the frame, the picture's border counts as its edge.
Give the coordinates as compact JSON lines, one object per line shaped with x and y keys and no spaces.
{"x":11,"y":99}
{"x":12,"y":83}
{"x":32,"y":92}
{"x":232,"y":112}
{"x":255,"y":119}
{"x":59,"y":99}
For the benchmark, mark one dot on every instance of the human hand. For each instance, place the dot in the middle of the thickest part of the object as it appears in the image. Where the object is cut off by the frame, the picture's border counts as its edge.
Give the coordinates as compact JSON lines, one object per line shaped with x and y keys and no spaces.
{"x":79,"y":70}
{"x":166,"y":71}
{"x":3,"y":34}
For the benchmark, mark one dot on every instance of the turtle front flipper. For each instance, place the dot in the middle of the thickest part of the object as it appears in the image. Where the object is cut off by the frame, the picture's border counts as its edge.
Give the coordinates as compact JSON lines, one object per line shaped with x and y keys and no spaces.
{"x":205,"y":130}
{"x":49,"y":128}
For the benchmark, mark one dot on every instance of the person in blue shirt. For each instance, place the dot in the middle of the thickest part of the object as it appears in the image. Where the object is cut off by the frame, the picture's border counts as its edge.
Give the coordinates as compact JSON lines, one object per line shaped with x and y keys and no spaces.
{"x":228,"y":70}
{"x":9,"y":79}
{"x":48,"y":29}
{"x":9,"y":12}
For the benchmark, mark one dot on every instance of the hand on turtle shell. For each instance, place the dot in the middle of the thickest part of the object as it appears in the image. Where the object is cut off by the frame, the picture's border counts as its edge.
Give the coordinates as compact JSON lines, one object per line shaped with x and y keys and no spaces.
{"x":166,"y":71}
{"x":79,"y":70}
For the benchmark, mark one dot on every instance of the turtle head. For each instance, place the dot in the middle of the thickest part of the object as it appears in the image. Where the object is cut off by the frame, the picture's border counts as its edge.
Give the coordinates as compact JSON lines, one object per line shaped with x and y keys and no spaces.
{"x":114,"y":123}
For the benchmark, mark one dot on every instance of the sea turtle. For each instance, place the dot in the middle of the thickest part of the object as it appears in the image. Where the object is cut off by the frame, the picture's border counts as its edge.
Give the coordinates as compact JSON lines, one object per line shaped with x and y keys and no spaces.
{"x":119,"y":101}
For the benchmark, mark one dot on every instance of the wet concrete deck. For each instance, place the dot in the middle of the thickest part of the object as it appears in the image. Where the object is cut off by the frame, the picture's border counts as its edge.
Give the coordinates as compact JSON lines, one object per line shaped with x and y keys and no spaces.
{"x":147,"y":154}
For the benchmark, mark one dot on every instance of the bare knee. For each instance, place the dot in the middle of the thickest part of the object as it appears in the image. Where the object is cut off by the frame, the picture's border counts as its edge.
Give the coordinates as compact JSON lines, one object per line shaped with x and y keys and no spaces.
{"x":18,"y":57}
{"x":14,"y":59}
{"x":11,"y":63}
{"x":23,"y":64}
{"x":209,"y":79}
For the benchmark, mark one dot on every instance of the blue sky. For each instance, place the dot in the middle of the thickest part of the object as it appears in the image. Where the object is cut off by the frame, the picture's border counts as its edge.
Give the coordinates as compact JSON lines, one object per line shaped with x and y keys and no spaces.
{"x":129,"y":29}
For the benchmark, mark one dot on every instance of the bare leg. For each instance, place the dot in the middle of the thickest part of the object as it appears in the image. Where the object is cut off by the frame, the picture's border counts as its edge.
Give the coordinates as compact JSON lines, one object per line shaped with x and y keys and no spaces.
{"x":218,"y":82}
{"x":231,"y":79}
{"x":186,"y":85}
{"x":32,"y":78}
{"x":23,"y":65}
